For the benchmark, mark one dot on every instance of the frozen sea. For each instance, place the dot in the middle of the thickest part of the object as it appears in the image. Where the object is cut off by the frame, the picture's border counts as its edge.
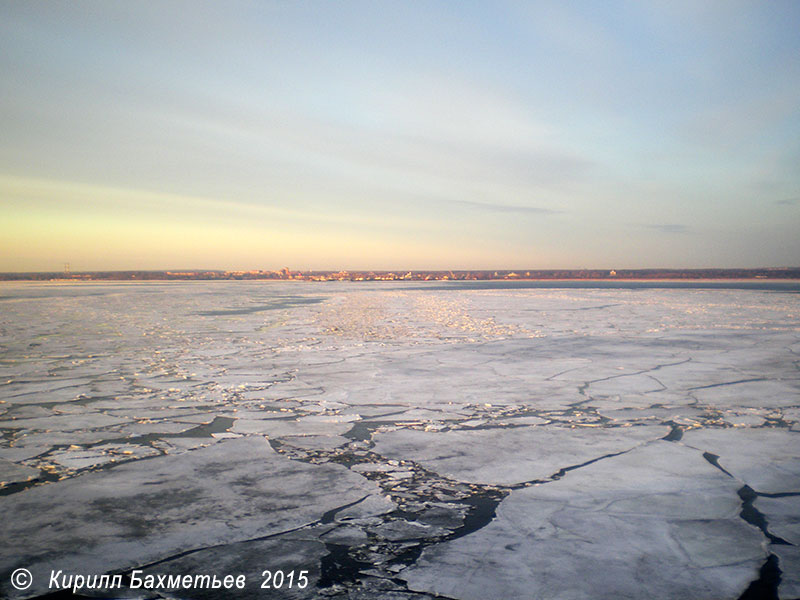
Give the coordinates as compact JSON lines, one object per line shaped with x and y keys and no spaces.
{"x":397,"y":440}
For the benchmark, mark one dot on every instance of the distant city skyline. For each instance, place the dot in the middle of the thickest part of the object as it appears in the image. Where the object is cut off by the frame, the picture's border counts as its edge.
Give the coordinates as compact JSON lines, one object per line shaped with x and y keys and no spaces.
{"x":380,"y":135}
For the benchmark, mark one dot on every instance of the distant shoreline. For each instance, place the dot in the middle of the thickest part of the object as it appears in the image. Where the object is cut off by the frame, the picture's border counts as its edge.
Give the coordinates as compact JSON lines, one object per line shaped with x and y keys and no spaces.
{"x":525,"y":275}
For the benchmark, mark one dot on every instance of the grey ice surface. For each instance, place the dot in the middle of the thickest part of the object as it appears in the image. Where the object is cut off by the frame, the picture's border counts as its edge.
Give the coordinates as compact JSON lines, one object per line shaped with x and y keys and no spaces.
{"x":782,"y":513}
{"x":783,"y":516}
{"x":768,"y":460}
{"x":145,"y":511}
{"x":11,"y":472}
{"x":789,"y":557}
{"x":504,"y":442}
{"x":510,"y":455}
{"x":659,"y":518}
{"x":295,"y":552}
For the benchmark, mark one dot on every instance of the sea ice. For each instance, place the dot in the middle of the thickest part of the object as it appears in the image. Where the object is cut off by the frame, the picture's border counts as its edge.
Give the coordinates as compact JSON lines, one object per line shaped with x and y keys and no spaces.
{"x":12,"y":473}
{"x":63,"y":422}
{"x":783,"y":515}
{"x":315,"y":442}
{"x":789,"y":564}
{"x":657,"y":521}
{"x":525,"y":453}
{"x":295,"y":552}
{"x":493,"y":386}
{"x":756,"y":394}
{"x":76,"y":457}
{"x":145,"y":511}
{"x":278,"y":428}
{"x":405,"y":530}
{"x":768,"y":460}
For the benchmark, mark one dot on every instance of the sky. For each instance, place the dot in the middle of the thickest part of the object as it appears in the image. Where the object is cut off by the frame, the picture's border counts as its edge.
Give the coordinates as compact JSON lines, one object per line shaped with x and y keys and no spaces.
{"x":399,"y":135}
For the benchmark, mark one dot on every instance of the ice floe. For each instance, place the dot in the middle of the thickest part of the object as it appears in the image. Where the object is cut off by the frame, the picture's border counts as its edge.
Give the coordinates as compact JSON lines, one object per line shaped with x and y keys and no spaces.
{"x":510,"y":455}
{"x":146,"y":511}
{"x":658,"y":520}
{"x":768,"y":460}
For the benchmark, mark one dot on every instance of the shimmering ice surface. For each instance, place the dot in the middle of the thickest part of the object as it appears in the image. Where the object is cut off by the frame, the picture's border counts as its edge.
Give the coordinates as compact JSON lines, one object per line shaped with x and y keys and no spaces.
{"x":402,"y":441}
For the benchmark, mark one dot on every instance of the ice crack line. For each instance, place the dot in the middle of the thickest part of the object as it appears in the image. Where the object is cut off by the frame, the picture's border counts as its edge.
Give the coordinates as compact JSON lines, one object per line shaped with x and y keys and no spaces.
{"x":766,"y":586}
{"x":642,"y":372}
{"x":431,"y":509}
{"x":749,"y":512}
{"x":326,"y":518}
{"x":713,"y":385}
{"x":769,"y":576}
{"x":563,"y":471}
{"x":755,"y":517}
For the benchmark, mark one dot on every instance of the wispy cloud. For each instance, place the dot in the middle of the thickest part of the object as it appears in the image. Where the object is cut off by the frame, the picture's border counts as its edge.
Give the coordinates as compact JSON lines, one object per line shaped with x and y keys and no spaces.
{"x":788,"y":202}
{"x":507,"y":208}
{"x":669,"y":227}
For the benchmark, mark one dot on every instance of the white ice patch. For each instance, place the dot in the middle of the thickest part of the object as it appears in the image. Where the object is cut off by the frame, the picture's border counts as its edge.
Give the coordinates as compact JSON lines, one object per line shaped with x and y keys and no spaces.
{"x":79,"y":458}
{"x":768,"y":460}
{"x":64,"y":422}
{"x":510,"y":455}
{"x":789,"y":564}
{"x":13,"y":473}
{"x":783,"y":516}
{"x":141,"y":512}
{"x":658,"y":521}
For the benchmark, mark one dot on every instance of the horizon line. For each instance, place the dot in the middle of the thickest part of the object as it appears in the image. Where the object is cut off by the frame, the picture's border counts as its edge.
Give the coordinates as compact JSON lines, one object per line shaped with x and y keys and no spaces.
{"x":783,"y":272}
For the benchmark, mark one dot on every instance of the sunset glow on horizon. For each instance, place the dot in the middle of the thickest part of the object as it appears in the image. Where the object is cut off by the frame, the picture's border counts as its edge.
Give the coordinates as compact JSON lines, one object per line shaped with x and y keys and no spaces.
{"x":378,"y":135}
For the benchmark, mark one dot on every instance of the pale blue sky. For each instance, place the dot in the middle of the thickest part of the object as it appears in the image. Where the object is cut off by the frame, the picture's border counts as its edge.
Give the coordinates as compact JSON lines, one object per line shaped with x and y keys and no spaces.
{"x":399,"y":134}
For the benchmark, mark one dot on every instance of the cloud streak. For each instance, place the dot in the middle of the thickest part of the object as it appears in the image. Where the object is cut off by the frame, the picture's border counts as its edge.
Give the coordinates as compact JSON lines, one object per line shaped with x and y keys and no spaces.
{"x":507,"y":208}
{"x":670,"y":228}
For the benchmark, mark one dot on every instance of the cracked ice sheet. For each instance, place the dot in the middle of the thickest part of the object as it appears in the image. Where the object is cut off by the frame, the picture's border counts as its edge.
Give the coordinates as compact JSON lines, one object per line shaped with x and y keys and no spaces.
{"x":658,"y":413}
{"x":141,"y":512}
{"x":441,"y":377}
{"x":659,"y":518}
{"x":783,"y":517}
{"x":525,"y":453}
{"x":80,"y":458}
{"x":90,"y":420}
{"x":789,"y":564}
{"x":54,"y":390}
{"x":12,"y":473}
{"x":311,"y":425}
{"x":315,"y":442}
{"x":296,"y":551}
{"x":754,"y":394}
{"x":768,"y":460}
